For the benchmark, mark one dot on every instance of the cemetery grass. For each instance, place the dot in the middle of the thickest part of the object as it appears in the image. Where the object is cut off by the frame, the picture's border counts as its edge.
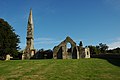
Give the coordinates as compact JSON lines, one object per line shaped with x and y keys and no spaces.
{"x":72,"y":69}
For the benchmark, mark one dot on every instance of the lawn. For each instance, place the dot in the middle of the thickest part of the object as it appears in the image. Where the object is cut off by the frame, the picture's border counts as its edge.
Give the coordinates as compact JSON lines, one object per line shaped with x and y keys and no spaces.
{"x":82,"y":69}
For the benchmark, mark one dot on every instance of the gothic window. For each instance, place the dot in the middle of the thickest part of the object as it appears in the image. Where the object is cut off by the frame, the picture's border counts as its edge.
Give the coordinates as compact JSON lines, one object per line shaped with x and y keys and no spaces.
{"x":87,"y":53}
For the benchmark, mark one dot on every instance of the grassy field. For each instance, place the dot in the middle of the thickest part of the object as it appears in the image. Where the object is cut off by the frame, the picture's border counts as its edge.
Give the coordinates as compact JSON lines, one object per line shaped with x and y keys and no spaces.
{"x":82,"y":69}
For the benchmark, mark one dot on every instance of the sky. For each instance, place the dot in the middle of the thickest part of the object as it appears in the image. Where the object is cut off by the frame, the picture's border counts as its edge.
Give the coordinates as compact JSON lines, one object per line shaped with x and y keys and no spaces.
{"x":89,"y":21}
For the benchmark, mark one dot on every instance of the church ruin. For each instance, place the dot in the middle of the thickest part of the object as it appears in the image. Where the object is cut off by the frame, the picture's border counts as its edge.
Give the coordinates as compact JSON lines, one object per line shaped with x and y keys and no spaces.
{"x":59,"y":52}
{"x":75,"y":52}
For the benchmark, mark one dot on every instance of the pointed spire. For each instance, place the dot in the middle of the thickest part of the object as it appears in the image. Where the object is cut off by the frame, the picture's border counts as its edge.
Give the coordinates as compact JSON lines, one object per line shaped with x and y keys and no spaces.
{"x":30,"y":38}
{"x":30,"y":18}
{"x":30,"y":30}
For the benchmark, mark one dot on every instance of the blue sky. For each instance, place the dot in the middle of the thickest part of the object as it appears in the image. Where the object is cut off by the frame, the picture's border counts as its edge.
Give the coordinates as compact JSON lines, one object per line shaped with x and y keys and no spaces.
{"x":92,"y":21}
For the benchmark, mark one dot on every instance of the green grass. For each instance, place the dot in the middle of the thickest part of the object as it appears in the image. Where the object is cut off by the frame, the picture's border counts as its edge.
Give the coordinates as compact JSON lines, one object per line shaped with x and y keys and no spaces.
{"x":82,"y":69}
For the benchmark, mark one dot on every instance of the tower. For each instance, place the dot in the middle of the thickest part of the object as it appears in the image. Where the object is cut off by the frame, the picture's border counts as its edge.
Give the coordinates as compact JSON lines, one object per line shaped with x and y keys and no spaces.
{"x":29,"y":50}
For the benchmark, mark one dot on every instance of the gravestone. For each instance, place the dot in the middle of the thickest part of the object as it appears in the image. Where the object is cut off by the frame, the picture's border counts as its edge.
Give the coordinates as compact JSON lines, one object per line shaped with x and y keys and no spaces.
{"x":8,"y":57}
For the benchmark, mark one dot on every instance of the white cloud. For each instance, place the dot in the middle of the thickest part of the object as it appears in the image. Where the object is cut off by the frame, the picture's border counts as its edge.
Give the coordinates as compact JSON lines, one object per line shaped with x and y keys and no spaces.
{"x":46,"y":41}
{"x":50,"y":41}
{"x":114,"y":44}
{"x":113,"y":3}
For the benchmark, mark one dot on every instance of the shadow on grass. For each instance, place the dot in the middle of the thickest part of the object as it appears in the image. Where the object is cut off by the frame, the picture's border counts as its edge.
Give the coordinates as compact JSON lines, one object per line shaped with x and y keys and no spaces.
{"x":114,"y":61}
{"x":111,"y":58}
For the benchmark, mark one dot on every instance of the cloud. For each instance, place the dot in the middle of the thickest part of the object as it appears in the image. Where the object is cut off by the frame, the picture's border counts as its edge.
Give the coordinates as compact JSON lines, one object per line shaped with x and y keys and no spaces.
{"x":113,"y":3}
{"x":46,"y":41}
{"x":114,"y":44}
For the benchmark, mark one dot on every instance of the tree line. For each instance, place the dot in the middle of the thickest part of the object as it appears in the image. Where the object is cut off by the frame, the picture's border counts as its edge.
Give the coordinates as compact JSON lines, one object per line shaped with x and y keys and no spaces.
{"x":98,"y":49}
{"x":103,"y":49}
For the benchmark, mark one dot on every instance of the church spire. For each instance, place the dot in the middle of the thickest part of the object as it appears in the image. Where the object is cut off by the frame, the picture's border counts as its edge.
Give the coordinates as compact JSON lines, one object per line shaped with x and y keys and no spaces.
{"x":30,"y":37}
{"x":30,"y":20}
{"x":30,"y":25}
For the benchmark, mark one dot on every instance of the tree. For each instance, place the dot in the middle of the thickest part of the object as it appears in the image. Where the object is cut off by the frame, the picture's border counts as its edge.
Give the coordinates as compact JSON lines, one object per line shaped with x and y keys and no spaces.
{"x":103,"y":48}
{"x":9,"y":40}
{"x":94,"y":49}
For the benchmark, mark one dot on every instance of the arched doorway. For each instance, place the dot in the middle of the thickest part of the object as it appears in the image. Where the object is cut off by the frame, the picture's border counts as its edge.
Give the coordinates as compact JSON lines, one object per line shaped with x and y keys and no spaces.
{"x":59,"y":54}
{"x":74,"y":54}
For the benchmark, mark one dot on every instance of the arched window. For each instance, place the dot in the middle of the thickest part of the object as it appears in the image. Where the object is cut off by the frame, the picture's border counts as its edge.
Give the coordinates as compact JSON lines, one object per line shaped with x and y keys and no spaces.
{"x":87,"y":53}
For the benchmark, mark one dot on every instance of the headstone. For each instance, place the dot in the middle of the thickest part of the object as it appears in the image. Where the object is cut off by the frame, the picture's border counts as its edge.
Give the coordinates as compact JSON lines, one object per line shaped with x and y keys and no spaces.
{"x":7,"y":57}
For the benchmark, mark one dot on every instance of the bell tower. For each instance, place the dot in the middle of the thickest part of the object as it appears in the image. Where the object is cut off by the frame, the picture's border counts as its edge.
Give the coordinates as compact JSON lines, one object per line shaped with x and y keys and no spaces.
{"x":29,"y":50}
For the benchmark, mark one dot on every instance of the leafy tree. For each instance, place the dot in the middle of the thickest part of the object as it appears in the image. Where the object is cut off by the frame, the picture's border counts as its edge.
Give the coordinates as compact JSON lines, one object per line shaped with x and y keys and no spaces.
{"x":94,"y":49}
{"x":9,"y":40}
{"x":103,"y":48}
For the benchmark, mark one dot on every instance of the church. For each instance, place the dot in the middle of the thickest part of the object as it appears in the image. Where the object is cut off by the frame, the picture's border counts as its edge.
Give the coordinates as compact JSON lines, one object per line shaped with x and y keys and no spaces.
{"x":59,"y":52}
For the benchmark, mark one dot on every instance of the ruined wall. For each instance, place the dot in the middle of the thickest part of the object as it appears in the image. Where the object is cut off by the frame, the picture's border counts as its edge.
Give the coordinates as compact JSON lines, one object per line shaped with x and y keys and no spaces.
{"x":75,"y":52}
{"x":61,"y":51}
